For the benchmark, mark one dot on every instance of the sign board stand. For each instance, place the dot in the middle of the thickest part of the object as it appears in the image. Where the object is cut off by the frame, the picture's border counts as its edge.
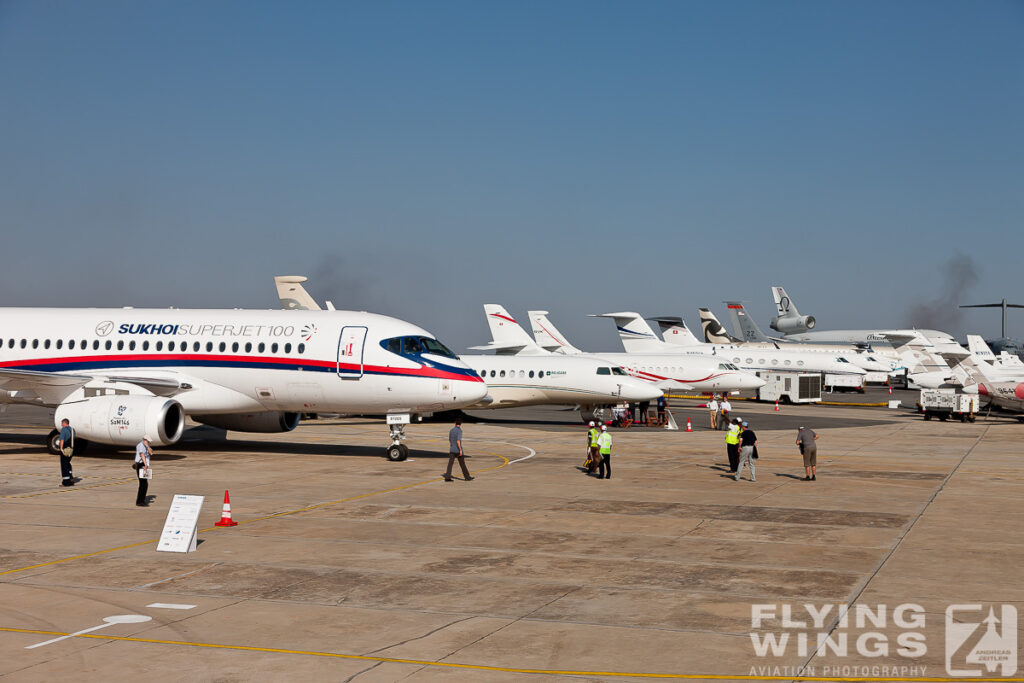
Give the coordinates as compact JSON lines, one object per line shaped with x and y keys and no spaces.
{"x":182,"y":525}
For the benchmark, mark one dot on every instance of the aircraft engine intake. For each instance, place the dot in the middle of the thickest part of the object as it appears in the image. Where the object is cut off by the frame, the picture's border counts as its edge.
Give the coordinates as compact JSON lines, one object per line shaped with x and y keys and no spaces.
{"x":124,"y":420}
{"x":269,"y":422}
{"x":794,"y":325}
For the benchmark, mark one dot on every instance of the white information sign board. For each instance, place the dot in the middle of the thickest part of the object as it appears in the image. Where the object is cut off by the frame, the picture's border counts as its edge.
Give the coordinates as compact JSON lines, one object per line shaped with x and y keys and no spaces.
{"x":181,"y":525}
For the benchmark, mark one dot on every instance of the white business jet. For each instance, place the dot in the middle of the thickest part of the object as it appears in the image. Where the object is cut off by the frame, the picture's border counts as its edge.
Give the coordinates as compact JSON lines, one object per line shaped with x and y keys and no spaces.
{"x":117,"y":374}
{"x":689,"y":372}
{"x":522,"y":374}
{"x":638,"y":337}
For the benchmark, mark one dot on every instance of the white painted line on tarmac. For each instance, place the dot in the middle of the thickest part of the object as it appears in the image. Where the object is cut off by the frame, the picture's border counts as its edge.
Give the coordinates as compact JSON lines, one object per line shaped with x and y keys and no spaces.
{"x":168,"y":605}
{"x":108,"y":621}
{"x":527,"y":457}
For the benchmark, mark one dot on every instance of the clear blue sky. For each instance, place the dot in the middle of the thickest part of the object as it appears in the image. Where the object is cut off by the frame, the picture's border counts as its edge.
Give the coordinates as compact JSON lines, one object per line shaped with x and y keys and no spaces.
{"x":424,"y":158}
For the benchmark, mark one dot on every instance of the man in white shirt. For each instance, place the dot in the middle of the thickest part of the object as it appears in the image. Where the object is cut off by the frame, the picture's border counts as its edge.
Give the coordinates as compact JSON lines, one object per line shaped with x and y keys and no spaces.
{"x":142,"y":455}
{"x":713,"y":412}
{"x":726,"y":409}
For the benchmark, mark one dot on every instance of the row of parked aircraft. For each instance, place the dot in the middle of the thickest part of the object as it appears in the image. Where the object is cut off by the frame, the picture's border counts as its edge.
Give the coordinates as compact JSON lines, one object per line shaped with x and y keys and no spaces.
{"x":117,"y":374}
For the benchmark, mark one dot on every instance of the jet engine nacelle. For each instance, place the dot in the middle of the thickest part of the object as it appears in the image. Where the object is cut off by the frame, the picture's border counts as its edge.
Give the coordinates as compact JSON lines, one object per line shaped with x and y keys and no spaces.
{"x":794,"y":324}
{"x":268,"y":422}
{"x":124,"y":420}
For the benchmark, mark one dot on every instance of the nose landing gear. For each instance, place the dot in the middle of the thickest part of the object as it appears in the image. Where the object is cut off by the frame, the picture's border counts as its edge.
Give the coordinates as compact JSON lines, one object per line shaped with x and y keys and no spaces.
{"x":397,"y":451}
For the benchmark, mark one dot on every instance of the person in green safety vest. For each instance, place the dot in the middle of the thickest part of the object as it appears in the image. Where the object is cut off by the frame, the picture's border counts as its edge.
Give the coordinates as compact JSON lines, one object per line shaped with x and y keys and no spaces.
{"x":593,"y":457}
{"x":732,"y":444}
{"x":604,"y":445}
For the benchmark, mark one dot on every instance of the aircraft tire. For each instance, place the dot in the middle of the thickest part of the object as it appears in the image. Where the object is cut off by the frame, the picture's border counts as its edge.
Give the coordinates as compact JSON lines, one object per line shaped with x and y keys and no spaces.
{"x":51,"y":442}
{"x":397,"y":452}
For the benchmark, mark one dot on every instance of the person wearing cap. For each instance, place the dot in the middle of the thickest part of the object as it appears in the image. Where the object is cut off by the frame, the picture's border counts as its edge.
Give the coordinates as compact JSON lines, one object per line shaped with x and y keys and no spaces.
{"x":592,"y":455}
{"x":143,"y":453}
{"x":805,"y":439}
{"x":604,"y":443}
{"x":732,"y":444}
{"x":748,"y":442}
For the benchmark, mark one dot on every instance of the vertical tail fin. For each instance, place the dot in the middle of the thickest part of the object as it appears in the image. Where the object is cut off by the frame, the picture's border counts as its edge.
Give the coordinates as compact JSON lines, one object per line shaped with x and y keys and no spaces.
{"x":743,"y":325}
{"x":636,"y":335}
{"x":507,"y":337}
{"x":548,"y":337}
{"x":674,"y":331}
{"x":978,"y":347}
{"x":293,"y":295}
{"x":714,"y":333}
{"x":783,"y":304}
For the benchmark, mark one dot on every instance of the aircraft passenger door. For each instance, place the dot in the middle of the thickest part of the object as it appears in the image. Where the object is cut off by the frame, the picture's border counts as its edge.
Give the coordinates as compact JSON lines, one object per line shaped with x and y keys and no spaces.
{"x":350,"y":351}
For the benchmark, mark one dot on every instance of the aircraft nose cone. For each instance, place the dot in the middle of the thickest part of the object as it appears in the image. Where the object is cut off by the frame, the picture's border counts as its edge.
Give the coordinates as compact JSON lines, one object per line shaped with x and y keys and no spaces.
{"x":640,"y":391}
{"x":983,"y":389}
{"x":1018,"y":391}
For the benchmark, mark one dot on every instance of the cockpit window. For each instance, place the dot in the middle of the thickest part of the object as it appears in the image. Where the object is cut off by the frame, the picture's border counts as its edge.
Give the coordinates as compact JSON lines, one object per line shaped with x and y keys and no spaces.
{"x":842,"y":360}
{"x":435,"y":347}
{"x":618,"y":371}
{"x":414,"y":346}
{"x":604,"y":371}
{"x":411,"y":345}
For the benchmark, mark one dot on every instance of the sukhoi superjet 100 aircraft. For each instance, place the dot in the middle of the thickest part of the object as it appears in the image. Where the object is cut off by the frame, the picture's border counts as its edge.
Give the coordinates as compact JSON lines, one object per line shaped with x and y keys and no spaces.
{"x":118,"y":374}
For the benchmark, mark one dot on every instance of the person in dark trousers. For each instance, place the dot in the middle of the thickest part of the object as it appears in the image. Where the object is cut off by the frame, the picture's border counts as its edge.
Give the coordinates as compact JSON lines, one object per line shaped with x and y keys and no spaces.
{"x":805,"y":439}
{"x":645,"y":407}
{"x":732,"y":444}
{"x":604,"y":442}
{"x":455,"y":451}
{"x":66,"y":446}
{"x":143,"y":453}
{"x":662,"y":405}
{"x":748,"y":442}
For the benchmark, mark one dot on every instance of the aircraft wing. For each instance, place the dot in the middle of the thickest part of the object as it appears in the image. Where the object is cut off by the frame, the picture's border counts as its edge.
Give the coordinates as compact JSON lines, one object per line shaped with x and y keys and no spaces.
{"x":52,"y":388}
{"x":49,"y":387}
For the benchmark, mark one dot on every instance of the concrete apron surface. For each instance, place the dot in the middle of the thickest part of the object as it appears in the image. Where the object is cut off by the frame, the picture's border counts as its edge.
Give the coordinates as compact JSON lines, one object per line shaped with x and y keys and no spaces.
{"x":347,"y":567}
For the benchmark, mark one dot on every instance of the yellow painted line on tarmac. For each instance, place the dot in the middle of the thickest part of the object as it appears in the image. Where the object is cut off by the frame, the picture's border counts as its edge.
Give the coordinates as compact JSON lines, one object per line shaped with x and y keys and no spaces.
{"x":482,"y":667}
{"x":317,"y":506}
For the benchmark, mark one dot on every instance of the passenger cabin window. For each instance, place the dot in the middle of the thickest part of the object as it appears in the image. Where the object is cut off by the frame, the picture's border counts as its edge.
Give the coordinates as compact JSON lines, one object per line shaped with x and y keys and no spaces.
{"x":492,"y":373}
{"x":540,"y":373}
{"x":46,"y":344}
{"x":159,"y":346}
{"x":120,"y":344}
{"x":95,"y":344}
{"x":531,"y":374}
{"x":35,"y":343}
{"x":287,"y":348}
{"x":234,"y":347}
{"x":248,"y":347}
{"x":145,"y":345}
{"x":273,"y":347}
{"x":60,"y":343}
{"x":302,"y":348}
{"x":501,"y":374}
{"x":71,"y":344}
{"x":223,"y":347}
{"x":131,"y":345}
{"x":262,"y":347}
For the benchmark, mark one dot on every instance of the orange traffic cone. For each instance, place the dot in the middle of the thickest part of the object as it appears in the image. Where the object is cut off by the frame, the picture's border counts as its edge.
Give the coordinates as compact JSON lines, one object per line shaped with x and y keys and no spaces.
{"x":890,"y":390}
{"x":689,"y":427}
{"x":776,"y":405}
{"x":225,"y":519}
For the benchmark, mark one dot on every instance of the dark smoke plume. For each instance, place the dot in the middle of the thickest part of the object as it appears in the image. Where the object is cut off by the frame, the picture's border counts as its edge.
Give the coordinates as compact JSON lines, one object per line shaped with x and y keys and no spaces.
{"x":958,"y":274}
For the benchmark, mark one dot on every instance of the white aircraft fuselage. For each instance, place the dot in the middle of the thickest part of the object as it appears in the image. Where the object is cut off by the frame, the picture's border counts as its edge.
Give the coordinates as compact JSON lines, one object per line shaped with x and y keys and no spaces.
{"x":221,"y":362}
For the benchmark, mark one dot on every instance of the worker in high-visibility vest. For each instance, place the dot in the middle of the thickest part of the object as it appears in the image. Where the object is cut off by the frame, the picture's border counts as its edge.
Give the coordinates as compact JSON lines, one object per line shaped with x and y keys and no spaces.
{"x":592,"y":457}
{"x":604,"y":445}
{"x":732,"y":444}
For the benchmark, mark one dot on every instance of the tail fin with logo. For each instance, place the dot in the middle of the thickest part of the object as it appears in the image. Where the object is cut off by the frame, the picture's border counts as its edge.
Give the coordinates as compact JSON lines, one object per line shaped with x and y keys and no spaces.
{"x":636,"y":335}
{"x":674,"y":331}
{"x":507,"y":337}
{"x":714,"y":333}
{"x":743,"y":326}
{"x":789,"y":320}
{"x":548,"y":337}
